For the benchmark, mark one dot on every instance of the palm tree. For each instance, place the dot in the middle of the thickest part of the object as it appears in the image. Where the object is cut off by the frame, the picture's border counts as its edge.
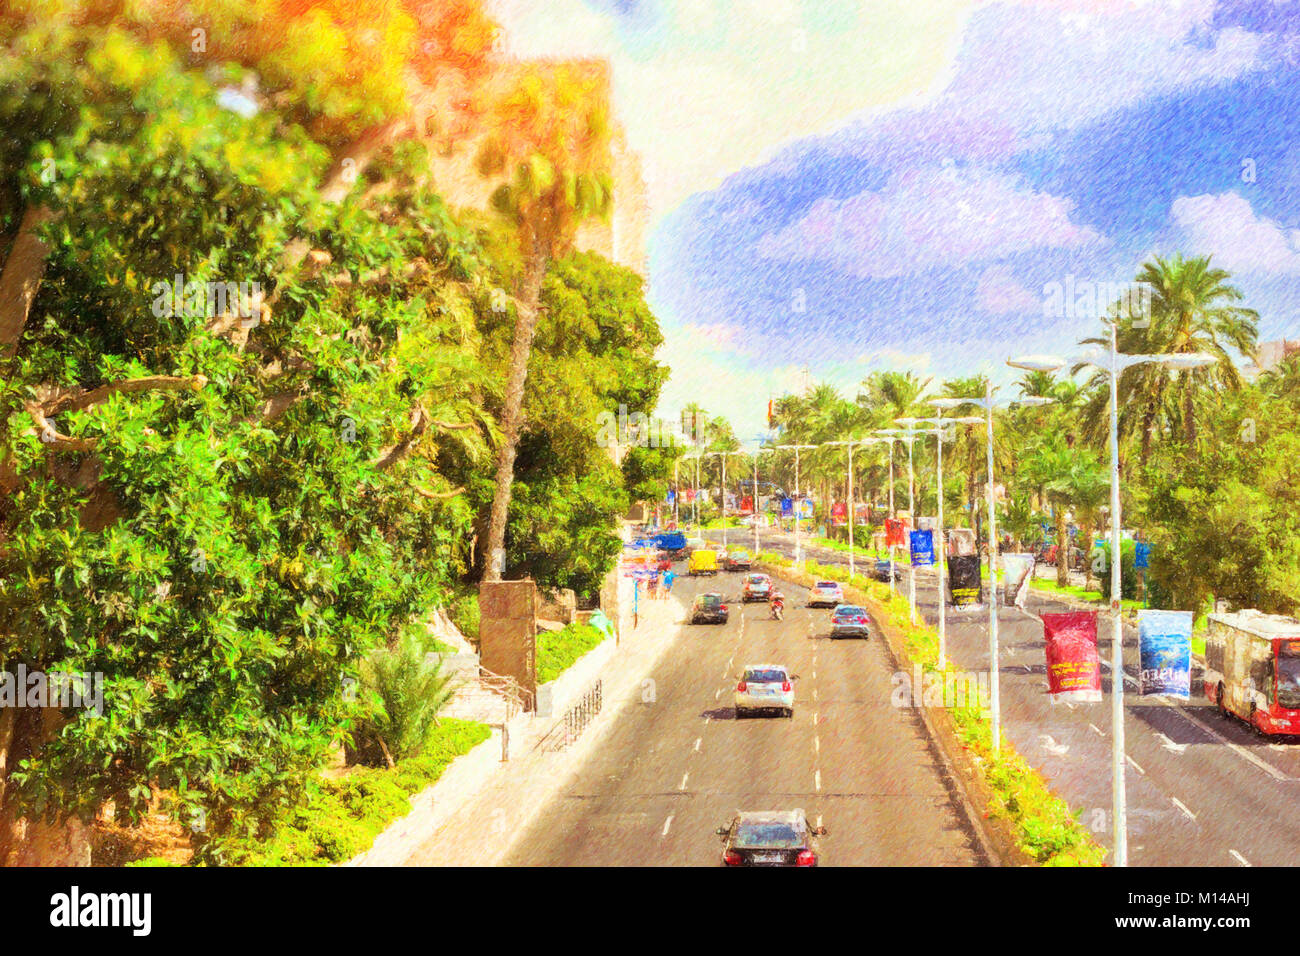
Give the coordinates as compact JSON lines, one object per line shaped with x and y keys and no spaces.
{"x":554,"y":128}
{"x":1192,"y":310}
{"x":889,"y":395}
{"x":1068,"y":477}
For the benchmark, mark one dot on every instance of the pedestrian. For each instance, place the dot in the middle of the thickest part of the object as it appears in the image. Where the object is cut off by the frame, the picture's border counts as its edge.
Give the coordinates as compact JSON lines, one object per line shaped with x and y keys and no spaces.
{"x":668,"y":583}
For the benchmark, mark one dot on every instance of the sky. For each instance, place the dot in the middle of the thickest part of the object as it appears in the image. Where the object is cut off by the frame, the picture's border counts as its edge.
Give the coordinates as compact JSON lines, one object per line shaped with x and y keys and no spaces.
{"x":843,"y":187}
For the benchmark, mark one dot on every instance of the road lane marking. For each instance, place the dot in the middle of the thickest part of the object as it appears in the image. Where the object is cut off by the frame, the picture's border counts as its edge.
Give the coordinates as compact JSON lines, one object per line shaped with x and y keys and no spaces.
{"x":667,"y":824}
{"x":1135,"y":764}
{"x":698,"y":741}
{"x":817,"y":744}
{"x":1263,"y":765}
{"x":1169,"y":745}
{"x":684,"y":778}
{"x":817,"y":779}
{"x":1179,"y":804}
{"x":1096,"y":728}
{"x":1239,"y":858}
{"x":717,"y":694}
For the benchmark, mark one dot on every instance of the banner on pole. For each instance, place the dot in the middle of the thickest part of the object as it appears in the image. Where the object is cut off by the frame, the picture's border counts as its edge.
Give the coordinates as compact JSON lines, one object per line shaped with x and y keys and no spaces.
{"x":1018,"y":571}
{"x":805,"y":507}
{"x":787,"y":507}
{"x":862,"y":513}
{"x":894,"y":533}
{"x":747,"y":503}
{"x":922,"y":549}
{"x":1165,"y":651}
{"x":1073,"y":665}
{"x":964,"y":579}
{"x":839,"y":513}
{"x":1141,"y":554}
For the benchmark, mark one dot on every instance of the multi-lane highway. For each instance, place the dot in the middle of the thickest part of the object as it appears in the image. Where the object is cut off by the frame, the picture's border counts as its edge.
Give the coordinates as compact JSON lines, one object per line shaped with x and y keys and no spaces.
{"x":674,"y":768}
{"x":1203,"y":789}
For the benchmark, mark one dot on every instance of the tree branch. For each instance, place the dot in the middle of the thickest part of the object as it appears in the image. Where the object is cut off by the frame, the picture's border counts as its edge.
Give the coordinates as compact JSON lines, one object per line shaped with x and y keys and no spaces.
{"x":67,"y":400}
{"x":439,"y":495}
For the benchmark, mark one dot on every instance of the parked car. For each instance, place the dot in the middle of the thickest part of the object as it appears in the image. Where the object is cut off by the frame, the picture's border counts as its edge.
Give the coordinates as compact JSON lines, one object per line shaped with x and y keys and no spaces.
{"x":738,"y":560}
{"x":702,"y":562}
{"x":765,"y":687}
{"x":826,"y":594}
{"x":849,"y":620}
{"x":769,"y":838}
{"x":708,"y":609}
{"x":880,"y":571}
{"x":758,"y":587}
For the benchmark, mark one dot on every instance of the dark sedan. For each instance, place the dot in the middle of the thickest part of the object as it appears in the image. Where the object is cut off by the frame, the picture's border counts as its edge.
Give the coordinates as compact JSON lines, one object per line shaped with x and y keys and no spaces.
{"x":880,"y":571}
{"x":769,"y":838}
{"x":708,"y":609}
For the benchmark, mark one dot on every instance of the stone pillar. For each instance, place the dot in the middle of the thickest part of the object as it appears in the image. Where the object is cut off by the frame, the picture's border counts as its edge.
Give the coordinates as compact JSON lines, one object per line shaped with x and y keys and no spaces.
{"x":507,"y":631}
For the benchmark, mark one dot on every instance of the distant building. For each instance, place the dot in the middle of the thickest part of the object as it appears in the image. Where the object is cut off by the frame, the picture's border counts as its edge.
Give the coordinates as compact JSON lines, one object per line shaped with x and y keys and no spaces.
{"x":1272,"y":354}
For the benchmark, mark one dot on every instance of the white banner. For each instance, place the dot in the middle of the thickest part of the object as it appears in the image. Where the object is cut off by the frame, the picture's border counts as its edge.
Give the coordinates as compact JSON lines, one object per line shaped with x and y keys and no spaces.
{"x":1017,"y":570}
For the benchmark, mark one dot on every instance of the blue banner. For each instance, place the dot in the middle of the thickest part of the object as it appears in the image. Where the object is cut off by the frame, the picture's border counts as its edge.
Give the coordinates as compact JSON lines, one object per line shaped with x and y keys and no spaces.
{"x":787,"y":507}
{"x":1142,"y":554}
{"x":922,"y":549}
{"x":671,"y":496}
{"x":1165,"y":650}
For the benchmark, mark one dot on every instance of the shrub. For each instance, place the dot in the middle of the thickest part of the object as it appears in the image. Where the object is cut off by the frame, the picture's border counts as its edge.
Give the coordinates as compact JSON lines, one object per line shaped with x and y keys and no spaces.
{"x":401,"y":694}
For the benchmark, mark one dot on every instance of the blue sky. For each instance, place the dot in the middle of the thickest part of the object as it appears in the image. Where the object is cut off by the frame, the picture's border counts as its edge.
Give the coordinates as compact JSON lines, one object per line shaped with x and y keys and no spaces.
{"x":841,"y":187}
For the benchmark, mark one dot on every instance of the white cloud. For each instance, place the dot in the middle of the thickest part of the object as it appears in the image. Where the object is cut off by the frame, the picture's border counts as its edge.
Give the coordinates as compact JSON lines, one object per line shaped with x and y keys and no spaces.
{"x":999,"y":292}
{"x":1240,"y":240}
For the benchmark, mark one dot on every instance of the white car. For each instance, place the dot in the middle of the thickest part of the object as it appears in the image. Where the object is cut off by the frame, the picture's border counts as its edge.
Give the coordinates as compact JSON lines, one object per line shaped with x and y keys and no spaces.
{"x":826,"y":592}
{"x":765,"y":687}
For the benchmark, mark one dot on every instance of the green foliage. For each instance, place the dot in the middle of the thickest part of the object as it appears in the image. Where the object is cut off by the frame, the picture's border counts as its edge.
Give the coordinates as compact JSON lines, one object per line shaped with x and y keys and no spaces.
{"x":401,"y":693}
{"x":558,"y":650}
{"x":1128,"y":580}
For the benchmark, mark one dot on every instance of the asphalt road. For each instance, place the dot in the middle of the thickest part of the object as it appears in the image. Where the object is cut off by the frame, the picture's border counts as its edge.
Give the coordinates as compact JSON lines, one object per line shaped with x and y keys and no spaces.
{"x":674,"y":768}
{"x":1203,"y":790}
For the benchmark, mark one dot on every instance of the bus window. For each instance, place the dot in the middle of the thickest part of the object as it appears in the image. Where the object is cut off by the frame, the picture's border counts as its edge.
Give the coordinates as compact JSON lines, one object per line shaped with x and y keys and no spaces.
{"x":1288,"y":676}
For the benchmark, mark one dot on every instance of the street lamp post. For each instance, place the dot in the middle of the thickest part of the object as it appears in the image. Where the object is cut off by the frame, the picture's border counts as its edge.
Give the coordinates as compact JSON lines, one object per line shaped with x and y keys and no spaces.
{"x":798,"y":541}
{"x":987,"y":404}
{"x":757,"y":451}
{"x":892,"y":435}
{"x":942,"y":556}
{"x":1116,"y":363}
{"x":849,"y":444}
{"x":722,"y":489}
{"x":909,"y":436}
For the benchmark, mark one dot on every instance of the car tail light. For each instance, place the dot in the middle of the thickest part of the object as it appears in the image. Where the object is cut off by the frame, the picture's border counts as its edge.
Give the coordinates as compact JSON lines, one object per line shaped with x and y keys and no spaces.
{"x":732,"y":858}
{"x":806,"y":858}
{"x":741,"y":687}
{"x":724,"y":608}
{"x":785,"y":687}
{"x":862,"y":620}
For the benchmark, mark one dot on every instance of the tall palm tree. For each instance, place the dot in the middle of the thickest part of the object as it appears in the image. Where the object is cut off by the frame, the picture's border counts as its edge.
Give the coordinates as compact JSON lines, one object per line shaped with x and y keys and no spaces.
{"x":1193,"y":309}
{"x":552,"y":134}
{"x":1068,"y":477}
{"x":888,"y":395}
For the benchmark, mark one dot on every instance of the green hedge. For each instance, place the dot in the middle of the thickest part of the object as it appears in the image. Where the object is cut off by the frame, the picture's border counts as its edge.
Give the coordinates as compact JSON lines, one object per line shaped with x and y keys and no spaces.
{"x":558,"y":650}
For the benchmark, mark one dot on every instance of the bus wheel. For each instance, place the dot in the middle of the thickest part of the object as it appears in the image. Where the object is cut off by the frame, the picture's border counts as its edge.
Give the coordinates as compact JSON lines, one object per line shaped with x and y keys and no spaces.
{"x":1254,"y":726}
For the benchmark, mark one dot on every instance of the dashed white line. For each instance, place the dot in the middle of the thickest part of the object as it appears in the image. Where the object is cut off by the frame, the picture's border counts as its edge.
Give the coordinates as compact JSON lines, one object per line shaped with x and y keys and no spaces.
{"x":1239,"y":858}
{"x":817,"y":744}
{"x":1097,"y":729}
{"x":1268,"y":768}
{"x":717,"y":694}
{"x":817,"y":779}
{"x":684,"y":778}
{"x":667,"y":824}
{"x":1135,"y":764}
{"x":698,"y":741}
{"x":1179,"y":804}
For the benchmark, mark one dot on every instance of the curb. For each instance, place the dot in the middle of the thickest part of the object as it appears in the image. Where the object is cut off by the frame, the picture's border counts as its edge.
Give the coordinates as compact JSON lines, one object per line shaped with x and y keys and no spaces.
{"x":994,"y":838}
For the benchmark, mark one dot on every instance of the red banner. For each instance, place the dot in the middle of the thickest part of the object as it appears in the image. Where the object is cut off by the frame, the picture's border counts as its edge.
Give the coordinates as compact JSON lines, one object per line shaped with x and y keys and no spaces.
{"x":894,"y":532}
{"x":747,"y":503}
{"x":839,"y":513}
{"x":1073,"y":665}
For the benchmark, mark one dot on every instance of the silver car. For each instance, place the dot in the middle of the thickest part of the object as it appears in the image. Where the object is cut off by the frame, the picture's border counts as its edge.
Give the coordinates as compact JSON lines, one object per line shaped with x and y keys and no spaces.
{"x":765,"y":687}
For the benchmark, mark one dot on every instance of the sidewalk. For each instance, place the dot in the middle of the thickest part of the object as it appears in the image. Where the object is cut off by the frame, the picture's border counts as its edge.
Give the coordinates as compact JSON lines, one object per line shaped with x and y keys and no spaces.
{"x":481,"y":805}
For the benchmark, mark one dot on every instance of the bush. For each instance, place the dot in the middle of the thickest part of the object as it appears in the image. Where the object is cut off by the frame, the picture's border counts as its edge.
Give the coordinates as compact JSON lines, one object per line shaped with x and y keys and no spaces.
{"x":401,"y":694}
{"x":558,"y":650}
{"x":1128,"y":582}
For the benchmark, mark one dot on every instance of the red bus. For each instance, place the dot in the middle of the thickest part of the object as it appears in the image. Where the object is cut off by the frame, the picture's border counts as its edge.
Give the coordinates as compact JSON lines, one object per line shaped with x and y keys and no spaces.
{"x":1252,"y":669}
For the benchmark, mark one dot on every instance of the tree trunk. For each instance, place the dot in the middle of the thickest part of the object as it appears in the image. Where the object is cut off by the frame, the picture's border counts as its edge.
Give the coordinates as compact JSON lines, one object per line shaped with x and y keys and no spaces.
{"x":21,"y":277}
{"x":1148,"y":421}
{"x":1189,"y":424}
{"x":1062,"y":548}
{"x":512,"y":414}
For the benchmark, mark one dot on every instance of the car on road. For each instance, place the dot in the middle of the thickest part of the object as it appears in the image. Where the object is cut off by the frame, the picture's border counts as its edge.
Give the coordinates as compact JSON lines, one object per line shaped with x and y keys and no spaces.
{"x":826,"y":594}
{"x":738,"y":560}
{"x":702,"y":562}
{"x":709,"y":609}
{"x":769,"y":838}
{"x":880,"y":571}
{"x":765,"y":687}
{"x":849,"y":620}
{"x":758,"y":587}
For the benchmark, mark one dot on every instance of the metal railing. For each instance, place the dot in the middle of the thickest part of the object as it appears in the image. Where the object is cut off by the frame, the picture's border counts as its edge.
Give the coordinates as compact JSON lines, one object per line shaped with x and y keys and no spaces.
{"x":517,"y":699}
{"x":574,"y":721}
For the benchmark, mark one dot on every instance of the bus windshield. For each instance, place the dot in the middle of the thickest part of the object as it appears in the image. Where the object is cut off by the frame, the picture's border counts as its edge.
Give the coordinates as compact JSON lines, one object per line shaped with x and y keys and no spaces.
{"x":1288,"y":677}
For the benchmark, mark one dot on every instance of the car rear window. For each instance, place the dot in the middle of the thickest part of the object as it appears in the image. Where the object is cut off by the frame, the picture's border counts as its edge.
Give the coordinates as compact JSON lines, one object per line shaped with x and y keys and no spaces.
{"x":781,"y":836}
{"x":757,"y":579}
{"x":765,"y":676}
{"x":826,"y":584}
{"x":710,"y":599}
{"x":848,"y":610}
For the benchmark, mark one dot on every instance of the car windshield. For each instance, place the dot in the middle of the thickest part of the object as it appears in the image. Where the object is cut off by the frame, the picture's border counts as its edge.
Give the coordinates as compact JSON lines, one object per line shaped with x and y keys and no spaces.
{"x":848,"y":610}
{"x":827,"y":584}
{"x":765,"y":675}
{"x":781,"y":836}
